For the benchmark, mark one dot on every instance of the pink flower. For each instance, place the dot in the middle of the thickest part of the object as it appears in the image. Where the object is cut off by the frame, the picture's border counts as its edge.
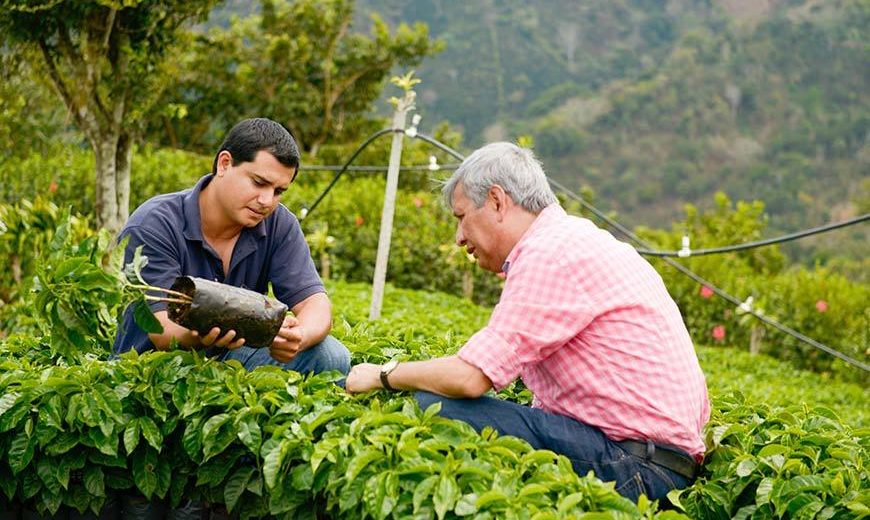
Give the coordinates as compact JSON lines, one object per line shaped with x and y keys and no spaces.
{"x":359,"y":221}
{"x":52,"y":187}
{"x":822,"y":306}
{"x":706,"y":292}
{"x":418,"y":202}
{"x":719,"y":332}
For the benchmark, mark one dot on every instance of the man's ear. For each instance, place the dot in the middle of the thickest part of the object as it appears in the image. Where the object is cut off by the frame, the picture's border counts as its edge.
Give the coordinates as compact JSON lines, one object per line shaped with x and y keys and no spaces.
{"x":500,"y":198}
{"x":225,"y":160}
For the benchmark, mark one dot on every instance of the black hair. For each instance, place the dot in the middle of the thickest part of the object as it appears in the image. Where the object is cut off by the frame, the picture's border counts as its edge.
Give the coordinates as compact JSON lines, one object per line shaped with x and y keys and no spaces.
{"x":260,"y":134}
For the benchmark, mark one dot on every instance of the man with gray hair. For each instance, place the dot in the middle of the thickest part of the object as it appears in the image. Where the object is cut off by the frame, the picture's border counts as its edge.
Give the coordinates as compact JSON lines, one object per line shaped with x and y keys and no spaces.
{"x":584,"y":321}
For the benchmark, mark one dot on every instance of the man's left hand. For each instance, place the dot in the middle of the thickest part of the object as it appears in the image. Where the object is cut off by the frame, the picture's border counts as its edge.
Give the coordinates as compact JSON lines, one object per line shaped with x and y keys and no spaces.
{"x":364,"y":377}
{"x":288,"y":343}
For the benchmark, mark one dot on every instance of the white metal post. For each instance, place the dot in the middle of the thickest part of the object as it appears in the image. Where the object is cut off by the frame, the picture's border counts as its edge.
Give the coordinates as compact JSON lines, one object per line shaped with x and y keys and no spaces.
{"x":399,"y":117}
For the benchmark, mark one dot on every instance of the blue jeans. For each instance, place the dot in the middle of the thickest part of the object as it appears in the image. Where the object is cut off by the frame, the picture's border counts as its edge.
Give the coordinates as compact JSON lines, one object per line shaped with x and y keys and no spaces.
{"x":587,"y":447}
{"x":329,"y":354}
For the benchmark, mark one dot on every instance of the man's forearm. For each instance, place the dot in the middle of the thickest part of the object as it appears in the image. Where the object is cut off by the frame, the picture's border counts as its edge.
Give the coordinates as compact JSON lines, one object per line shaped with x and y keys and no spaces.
{"x":315,"y":317}
{"x":448,"y":376}
{"x":172,"y":330}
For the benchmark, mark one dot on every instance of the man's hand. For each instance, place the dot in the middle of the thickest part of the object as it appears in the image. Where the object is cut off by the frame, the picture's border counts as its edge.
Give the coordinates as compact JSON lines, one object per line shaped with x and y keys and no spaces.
{"x":364,"y":377}
{"x":288,"y":343}
{"x":215,"y":339}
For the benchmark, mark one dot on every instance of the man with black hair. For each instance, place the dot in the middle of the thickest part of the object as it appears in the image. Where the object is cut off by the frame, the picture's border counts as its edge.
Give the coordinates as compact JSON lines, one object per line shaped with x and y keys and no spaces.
{"x":231,"y":228}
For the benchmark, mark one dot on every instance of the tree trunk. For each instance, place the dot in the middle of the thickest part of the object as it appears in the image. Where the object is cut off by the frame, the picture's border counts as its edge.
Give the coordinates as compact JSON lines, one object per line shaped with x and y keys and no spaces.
{"x":113,"y":155}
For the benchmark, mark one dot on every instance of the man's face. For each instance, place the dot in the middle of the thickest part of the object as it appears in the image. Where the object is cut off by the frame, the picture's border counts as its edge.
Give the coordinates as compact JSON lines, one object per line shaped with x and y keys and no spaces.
{"x":477,"y":230}
{"x":250,"y":191}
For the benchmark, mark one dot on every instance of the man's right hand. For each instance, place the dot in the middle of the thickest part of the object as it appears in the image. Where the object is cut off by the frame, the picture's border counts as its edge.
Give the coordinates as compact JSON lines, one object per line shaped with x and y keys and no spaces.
{"x":215,"y":339}
{"x":191,"y":339}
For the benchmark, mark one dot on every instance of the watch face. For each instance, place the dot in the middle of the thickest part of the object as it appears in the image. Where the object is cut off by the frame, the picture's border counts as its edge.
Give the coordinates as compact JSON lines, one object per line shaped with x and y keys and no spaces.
{"x":389,"y":366}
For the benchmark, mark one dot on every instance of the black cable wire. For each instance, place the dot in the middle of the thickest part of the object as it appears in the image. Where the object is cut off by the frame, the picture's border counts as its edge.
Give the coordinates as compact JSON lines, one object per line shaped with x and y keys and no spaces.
{"x":438,"y":144}
{"x":375,"y":169}
{"x":338,"y":175}
{"x":757,"y":243}
{"x":362,"y":147}
{"x":680,"y":267}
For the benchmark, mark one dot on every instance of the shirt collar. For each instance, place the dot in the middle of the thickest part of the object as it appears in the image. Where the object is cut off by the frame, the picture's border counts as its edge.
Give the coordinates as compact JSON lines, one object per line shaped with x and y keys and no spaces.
{"x":549,"y":214}
{"x":193,"y":219}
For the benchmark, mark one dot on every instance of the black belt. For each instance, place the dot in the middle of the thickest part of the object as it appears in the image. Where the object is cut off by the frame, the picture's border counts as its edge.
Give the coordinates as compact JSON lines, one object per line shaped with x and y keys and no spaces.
{"x":667,"y":457}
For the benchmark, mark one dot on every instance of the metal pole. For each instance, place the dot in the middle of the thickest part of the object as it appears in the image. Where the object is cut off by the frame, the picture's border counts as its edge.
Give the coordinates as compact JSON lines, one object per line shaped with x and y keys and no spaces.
{"x":399,"y":119}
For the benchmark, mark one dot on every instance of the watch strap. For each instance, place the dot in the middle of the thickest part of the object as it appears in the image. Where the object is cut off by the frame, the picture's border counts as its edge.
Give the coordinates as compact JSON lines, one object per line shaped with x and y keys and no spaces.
{"x":385,"y":382}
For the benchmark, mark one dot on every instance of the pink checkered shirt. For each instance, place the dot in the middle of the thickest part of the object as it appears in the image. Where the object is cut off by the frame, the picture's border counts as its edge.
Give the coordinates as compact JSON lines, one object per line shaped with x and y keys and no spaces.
{"x":589,"y":326}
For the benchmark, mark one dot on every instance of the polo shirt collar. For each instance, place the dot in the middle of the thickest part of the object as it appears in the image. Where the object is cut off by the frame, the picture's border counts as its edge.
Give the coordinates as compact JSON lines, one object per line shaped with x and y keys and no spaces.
{"x":551,"y":213}
{"x":193,"y":220}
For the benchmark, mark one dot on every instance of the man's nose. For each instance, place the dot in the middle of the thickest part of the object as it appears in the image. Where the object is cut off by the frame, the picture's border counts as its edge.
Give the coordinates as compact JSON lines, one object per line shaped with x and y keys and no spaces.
{"x":460,"y":237}
{"x":266,"y":197}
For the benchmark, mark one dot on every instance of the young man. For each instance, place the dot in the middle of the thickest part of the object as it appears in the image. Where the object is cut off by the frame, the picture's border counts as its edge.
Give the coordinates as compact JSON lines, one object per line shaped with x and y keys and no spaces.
{"x":583,"y":319}
{"x":231,"y":228}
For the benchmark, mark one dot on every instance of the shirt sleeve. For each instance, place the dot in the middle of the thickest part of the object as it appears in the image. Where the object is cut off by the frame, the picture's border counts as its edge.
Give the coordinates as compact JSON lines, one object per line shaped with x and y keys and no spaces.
{"x":540,"y":310}
{"x":292,"y":270}
{"x":164,"y":260}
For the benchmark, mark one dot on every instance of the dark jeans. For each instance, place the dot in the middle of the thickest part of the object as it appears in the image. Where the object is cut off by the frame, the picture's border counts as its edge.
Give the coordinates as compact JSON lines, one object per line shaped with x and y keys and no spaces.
{"x":329,"y":354}
{"x":587,"y":447}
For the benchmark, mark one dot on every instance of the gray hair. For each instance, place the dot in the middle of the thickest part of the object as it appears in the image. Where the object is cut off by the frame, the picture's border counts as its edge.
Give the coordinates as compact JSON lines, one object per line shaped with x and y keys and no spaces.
{"x":507,"y":165}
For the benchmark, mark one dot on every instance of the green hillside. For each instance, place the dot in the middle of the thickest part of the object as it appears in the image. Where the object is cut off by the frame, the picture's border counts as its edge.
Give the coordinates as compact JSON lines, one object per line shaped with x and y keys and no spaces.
{"x":654,"y":104}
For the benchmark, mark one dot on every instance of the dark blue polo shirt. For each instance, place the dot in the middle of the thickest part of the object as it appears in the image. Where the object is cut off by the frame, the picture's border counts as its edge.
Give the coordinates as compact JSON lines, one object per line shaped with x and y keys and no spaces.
{"x":169,"y":229}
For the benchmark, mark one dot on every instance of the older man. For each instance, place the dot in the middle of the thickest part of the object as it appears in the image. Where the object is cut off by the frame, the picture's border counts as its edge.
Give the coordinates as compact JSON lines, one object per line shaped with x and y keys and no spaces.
{"x":584,"y":321}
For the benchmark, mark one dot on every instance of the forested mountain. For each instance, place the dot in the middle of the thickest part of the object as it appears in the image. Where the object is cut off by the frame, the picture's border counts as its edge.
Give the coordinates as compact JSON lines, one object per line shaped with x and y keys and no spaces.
{"x":654,"y":104}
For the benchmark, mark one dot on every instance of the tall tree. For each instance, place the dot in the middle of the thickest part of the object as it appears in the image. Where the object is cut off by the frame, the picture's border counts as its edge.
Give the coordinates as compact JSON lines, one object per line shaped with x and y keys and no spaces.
{"x":300,"y":63}
{"x":107,"y":60}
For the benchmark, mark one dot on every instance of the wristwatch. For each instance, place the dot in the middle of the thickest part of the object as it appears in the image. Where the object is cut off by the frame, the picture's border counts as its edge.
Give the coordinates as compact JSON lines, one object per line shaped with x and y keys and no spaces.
{"x":386,"y":369}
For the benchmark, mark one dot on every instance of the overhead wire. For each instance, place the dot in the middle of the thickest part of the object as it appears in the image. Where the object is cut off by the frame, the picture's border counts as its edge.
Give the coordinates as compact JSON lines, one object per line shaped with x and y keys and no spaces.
{"x":684,"y":253}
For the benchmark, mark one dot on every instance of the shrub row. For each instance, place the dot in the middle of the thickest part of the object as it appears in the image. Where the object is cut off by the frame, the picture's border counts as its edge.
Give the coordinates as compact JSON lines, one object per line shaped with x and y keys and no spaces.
{"x":774,"y":462}
{"x":174,"y":425}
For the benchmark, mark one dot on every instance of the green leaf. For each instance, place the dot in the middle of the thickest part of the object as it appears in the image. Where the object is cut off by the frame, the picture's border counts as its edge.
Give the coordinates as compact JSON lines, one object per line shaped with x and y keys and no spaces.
{"x":145,"y":319}
{"x":62,"y":443}
{"x":94,"y":481}
{"x":746,"y":467}
{"x":301,"y":477}
{"x":272,"y":464}
{"x":446,"y":495}
{"x":250,"y":434}
{"x":494,"y":498}
{"x":214,"y":439}
{"x":805,"y":506}
{"x":131,"y":435}
{"x":144,"y":471}
{"x":321,"y":451}
{"x":8,"y":401}
{"x":47,"y":469}
{"x":424,"y":490}
{"x":360,"y":461}
{"x":762,"y":493}
{"x":236,"y":486}
{"x":20,"y":452}
{"x":164,"y":476}
{"x":151,"y":432}
{"x":467,"y":505}
{"x":431,"y":411}
{"x":192,"y":441}
{"x":801,"y":484}
{"x":745,"y":512}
